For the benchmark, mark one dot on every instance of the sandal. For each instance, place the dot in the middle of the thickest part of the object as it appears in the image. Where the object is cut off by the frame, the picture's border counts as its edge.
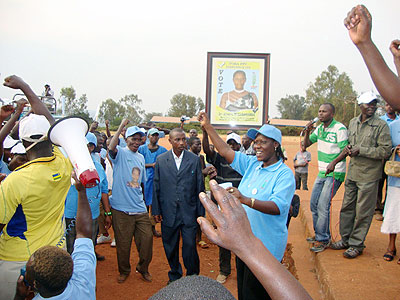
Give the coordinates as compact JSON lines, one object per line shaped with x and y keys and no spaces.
{"x":389,"y":255}
{"x":203,"y":244}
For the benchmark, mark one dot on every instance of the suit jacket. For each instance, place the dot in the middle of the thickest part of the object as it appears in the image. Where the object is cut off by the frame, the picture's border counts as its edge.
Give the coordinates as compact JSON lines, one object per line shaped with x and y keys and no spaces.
{"x":171,"y":187}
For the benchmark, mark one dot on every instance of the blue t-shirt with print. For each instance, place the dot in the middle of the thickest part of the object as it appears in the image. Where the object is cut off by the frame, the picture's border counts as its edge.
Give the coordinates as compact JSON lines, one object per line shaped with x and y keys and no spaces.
{"x":93,"y":195}
{"x":129,"y":173}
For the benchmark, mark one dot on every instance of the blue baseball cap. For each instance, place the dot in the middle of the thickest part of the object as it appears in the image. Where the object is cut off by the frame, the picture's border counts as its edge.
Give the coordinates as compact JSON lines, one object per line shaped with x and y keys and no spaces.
{"x":133,"y":130}
{"x":91,"y":139}
{"x":153,"y":131}
{"x":268,"y":131}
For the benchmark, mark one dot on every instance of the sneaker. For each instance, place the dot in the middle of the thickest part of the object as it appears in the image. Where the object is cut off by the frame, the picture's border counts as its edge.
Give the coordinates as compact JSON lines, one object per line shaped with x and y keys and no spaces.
{"x":103,"y":239}
{"x":319,"y":246}
{"x":221,"y":278}
{"x":379,"y":217}
{"x":352,"y":252}
{"x":339,"y":245}
{"x":311,"y":239}
{"x":113,"y":244}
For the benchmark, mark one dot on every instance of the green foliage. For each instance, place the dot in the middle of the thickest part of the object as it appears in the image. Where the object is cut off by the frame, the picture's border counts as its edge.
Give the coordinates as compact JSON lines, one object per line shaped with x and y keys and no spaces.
{"x":133,"y":110}
{"x":292,"y":107}
{"x":185,"y":105}
{"x":86,"y":116}
{"x":69,"y":94}
{"x":112,"y":111}
{"x":332,"y":87}
{"x":73,"y":106}
{"x":128,"y":107}
{"x":290,"y":130}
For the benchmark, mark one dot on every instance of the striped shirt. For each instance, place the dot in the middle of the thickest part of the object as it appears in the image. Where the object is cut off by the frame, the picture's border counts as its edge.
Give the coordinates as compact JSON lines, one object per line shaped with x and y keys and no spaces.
{"x":331,"y":141}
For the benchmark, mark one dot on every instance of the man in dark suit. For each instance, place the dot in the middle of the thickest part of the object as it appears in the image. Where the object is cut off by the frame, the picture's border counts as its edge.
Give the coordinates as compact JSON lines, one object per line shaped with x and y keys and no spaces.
{"x":178,"y":180}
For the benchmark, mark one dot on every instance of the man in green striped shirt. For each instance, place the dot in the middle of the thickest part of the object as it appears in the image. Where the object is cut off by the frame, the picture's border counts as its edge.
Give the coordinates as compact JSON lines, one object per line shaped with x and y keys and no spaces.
{"x":331,"y":137}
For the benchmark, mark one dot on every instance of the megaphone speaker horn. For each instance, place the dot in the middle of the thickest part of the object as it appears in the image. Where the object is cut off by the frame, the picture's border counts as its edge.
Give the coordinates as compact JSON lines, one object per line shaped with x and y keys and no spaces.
{"x":70,"y":134}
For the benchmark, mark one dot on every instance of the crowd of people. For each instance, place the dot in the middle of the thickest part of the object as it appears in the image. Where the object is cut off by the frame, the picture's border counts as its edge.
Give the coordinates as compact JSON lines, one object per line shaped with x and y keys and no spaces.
{"x":50,"y":226}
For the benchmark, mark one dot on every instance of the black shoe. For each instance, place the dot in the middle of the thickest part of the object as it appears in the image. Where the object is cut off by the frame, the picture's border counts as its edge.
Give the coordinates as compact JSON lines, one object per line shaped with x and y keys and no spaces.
{"x":100,"y":257}
{"x":295,"y":205}
{"x":155,"y":232}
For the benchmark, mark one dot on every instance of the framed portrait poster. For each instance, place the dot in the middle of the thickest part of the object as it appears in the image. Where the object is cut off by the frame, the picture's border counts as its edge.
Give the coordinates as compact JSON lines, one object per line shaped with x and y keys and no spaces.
{"x":237,"y":89}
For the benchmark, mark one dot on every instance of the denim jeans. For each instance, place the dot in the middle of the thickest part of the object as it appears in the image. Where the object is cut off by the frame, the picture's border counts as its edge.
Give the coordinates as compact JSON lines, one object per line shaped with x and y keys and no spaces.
{"x":320,"y":203}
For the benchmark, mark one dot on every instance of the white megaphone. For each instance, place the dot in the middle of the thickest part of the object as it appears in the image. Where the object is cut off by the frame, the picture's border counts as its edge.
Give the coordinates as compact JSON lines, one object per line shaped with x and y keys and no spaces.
{"x":69,"y":133}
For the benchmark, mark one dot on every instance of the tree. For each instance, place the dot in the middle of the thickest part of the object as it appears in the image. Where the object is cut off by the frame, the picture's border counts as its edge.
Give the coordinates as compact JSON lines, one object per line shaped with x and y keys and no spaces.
{"x":332,"y":87}
{"x":111,"y":111}
{"x":150,"y":115}
{"x":185,"y":105}
{"x":133,"y":111}
{"x":69,"y":95}
{"x":73,"y":106}
{"x":292,"y":107}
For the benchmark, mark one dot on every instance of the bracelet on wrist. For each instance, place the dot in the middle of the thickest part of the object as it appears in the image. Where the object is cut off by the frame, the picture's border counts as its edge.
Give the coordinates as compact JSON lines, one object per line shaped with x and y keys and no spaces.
{"x":107,"y":213}
{"x":252,"y":202}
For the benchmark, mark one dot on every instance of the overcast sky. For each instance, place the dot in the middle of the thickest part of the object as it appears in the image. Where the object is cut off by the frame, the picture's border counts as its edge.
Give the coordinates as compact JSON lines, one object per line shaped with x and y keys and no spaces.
{"x":107,"y":49}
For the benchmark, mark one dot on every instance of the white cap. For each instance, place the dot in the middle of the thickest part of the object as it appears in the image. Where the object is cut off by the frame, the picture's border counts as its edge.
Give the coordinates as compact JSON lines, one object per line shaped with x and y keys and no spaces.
{"x":18,"y":149}
{"x":233,"y":136}
{"x":367,"y":97}
{"x":33,"y":125}
{"x":9,"y":142}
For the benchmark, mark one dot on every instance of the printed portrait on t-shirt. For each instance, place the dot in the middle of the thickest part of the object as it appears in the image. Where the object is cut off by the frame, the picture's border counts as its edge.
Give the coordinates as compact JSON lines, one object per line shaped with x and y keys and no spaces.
{"x":134,"y":183}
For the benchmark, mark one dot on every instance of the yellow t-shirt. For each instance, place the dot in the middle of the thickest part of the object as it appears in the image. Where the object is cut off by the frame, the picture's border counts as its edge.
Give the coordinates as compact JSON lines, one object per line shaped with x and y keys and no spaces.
{"x":32,"y":205}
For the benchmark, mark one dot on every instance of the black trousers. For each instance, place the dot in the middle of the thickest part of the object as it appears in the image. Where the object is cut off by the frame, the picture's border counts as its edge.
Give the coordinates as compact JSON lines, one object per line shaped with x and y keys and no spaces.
{"x":224,"y":261}
{"x":379,"y":205}
{"x":170,"y":238}
{"x":249,"y":288}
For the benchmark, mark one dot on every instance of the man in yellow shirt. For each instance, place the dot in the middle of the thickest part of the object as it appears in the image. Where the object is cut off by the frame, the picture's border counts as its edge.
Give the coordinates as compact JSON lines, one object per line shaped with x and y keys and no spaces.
{"x":32,"y":197}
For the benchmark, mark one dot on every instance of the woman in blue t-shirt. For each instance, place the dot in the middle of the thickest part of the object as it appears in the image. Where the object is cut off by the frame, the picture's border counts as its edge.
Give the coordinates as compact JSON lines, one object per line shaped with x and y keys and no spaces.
{"x":266,"y":190}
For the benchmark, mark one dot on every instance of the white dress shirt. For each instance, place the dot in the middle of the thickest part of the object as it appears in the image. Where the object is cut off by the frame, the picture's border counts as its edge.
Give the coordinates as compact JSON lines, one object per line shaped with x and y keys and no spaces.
{"x":178,"y":160}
